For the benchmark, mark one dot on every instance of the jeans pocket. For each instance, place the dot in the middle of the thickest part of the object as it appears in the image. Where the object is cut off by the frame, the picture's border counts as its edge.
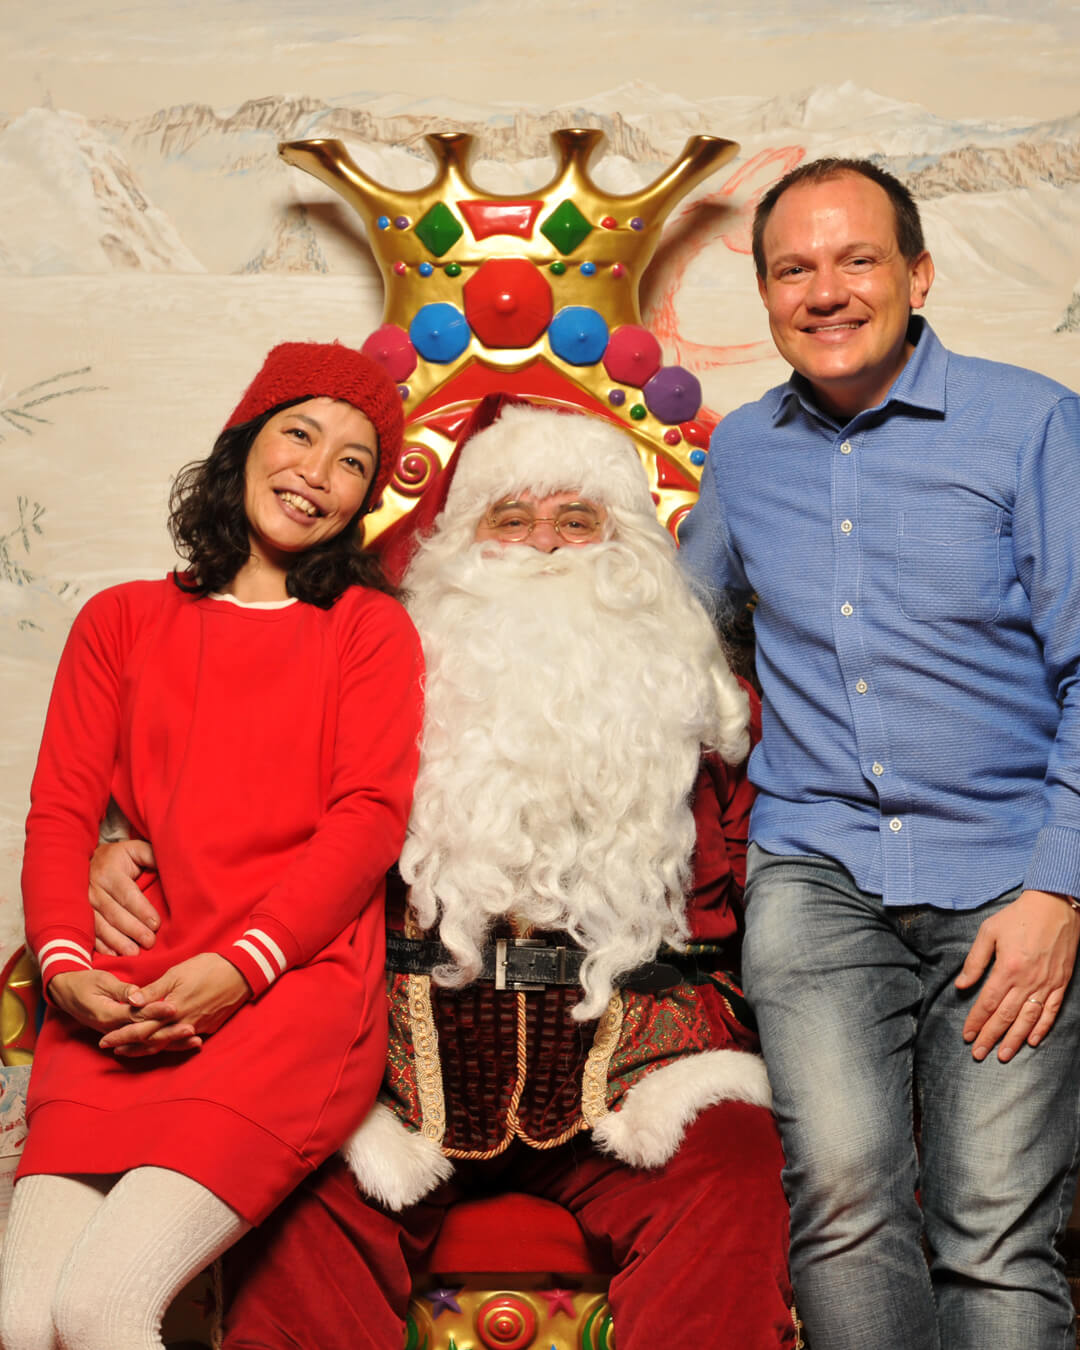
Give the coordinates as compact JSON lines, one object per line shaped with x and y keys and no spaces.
{"x":949,"y":564}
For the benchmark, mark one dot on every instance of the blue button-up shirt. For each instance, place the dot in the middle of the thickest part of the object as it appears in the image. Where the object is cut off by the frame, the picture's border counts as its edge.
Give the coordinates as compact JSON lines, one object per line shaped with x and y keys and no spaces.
{"x":918,"y":624}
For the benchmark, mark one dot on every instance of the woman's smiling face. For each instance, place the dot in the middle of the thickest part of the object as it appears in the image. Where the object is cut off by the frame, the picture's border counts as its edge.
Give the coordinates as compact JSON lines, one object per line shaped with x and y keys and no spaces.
{"x":308,"y":472}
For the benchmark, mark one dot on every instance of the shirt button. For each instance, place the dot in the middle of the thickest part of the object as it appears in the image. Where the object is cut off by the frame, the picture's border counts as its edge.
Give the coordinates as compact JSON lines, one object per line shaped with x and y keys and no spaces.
{"x":877,"y":769}
{"x":896,"y":825}
{"x":861,"y":686}
{"x":846,"y":610}
{"x":846,"y":448}
{"x":846,"y":526}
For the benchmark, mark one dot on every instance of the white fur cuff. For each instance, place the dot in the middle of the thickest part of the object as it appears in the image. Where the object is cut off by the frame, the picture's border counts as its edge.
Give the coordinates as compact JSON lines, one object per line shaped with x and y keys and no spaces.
{"x":392,"y":1164}
{"x":650,"y":1123}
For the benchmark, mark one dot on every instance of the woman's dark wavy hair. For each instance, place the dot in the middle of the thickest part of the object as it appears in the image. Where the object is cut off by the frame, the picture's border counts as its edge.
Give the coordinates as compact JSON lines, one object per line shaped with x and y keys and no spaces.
{"x":209,"y":529}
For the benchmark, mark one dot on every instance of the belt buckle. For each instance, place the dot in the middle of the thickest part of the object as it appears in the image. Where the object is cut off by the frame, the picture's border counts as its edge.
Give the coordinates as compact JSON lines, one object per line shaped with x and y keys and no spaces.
{"x":502,"y":946}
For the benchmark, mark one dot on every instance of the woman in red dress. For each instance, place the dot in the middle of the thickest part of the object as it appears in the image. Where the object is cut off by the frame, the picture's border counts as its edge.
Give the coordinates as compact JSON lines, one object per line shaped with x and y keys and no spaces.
{"x":254,"y":718}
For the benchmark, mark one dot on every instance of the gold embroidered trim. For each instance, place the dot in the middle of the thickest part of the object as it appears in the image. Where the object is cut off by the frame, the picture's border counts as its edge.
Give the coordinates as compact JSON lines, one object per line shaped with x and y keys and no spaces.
{"x":594,"y":1079}
{"x":429,"y":1084}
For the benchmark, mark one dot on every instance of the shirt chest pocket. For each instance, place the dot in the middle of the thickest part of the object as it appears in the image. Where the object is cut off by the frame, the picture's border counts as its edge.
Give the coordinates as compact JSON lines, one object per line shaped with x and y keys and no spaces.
{"x":949,"y":563}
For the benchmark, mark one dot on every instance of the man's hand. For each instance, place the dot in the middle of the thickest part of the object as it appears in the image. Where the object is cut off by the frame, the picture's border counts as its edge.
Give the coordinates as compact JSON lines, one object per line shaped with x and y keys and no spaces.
{"x":124,"y":920}
{"x":1032,"y":943}
{"x":199,"y":994}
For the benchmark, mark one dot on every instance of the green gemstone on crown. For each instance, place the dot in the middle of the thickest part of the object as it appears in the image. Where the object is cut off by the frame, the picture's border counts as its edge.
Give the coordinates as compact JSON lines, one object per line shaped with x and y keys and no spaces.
{"x":439,"y":229}
{"x":566,"y":227}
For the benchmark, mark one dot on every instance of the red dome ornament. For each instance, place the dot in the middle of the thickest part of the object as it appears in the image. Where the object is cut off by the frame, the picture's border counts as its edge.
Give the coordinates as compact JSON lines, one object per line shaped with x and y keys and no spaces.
{"x":506,"y":1322}
{"x":633,"y":355}
{"x":508,"y":303}
{"x":391,"y":347}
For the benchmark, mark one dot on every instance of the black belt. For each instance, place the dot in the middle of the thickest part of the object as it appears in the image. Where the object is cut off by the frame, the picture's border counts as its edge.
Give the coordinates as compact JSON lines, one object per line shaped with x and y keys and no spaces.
{"x":525,"y":964}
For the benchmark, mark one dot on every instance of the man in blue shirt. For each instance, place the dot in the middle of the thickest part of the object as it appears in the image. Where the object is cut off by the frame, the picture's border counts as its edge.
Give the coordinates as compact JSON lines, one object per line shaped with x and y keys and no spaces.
{"x":908,"y":520}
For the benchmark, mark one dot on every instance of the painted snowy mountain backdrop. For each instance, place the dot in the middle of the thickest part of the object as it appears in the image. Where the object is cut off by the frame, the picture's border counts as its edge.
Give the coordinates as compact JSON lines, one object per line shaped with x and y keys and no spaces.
{"x":190,"y":189}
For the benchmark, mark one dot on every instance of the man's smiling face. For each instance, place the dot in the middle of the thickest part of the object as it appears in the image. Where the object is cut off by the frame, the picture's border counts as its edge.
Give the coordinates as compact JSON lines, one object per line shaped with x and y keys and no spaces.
{"x":838,"y":290}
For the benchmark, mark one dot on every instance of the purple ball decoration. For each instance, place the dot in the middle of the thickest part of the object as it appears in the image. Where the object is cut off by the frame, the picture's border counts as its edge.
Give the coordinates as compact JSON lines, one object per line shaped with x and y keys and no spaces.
{"x":673,"y":395}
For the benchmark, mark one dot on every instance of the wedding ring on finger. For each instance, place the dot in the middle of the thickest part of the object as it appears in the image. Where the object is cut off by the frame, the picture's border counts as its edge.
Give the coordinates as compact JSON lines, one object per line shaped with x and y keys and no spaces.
{"x":1033,"y":999}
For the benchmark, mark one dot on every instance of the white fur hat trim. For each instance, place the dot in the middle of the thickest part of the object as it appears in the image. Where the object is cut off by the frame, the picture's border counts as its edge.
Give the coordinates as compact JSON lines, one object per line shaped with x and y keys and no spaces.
{"x":652,"y":1118}
{"x":548,"y":452}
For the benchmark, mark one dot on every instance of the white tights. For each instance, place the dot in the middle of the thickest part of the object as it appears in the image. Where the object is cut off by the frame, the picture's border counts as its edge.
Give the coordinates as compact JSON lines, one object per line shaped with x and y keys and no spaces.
{"x":91,"y":1263}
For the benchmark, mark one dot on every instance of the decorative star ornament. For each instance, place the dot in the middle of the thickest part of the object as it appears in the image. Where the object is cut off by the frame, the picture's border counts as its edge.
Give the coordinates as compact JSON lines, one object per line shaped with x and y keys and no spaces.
{"x":559,"y":1301}
{"x":444,"y":1300}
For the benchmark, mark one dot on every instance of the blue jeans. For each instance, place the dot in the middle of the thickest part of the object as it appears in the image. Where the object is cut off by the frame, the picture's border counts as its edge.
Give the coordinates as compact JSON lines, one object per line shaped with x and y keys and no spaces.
{"x":858,"y":1018}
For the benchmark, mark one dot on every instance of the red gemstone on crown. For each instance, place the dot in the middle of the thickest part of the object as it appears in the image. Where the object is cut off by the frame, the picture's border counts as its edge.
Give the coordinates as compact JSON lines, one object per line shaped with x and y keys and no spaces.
{"x":633,"y":355}
{"x":488,"y":218}
{"x":391,"y":347}
{"x":508,"y":303}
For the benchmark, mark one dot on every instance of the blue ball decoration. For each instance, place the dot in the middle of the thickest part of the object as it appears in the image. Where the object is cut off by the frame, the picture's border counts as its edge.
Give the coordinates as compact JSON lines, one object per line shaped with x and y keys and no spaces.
{"x":425,"y":269}
{"x":578,"y":335}
{"x":439,"y":332}
{"x":697,"y":457}
{"x":383,"y":222}
{"x":588,"y":269}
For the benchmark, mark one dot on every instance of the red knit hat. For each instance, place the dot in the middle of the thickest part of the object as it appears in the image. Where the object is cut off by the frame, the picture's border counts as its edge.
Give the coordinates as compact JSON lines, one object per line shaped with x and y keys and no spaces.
{"x":299,"y":370}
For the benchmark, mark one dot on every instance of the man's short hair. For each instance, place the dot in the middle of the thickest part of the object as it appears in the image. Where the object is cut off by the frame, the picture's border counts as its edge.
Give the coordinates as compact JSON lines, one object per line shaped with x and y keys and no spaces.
{"x":909,"y":231}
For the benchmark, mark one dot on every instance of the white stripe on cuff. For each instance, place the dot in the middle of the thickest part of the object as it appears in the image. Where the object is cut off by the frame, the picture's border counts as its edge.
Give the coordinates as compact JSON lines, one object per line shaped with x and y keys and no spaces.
{"x":270,"y":945}
{"x":67,"y":945}
{"x":43,"y":966}
{"x":264,"y":965}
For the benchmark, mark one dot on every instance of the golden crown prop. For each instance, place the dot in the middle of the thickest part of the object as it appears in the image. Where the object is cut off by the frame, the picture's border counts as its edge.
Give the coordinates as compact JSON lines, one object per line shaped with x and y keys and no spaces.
{"x":533,"y":295}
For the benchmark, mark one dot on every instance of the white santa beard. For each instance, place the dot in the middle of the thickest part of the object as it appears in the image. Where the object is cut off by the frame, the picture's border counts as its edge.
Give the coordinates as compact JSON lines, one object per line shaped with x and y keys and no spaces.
{"x":567,"y":699}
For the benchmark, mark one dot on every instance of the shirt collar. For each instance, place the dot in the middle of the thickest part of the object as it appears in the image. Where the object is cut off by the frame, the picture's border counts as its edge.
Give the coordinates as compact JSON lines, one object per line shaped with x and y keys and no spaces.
{"x":921,"y":384}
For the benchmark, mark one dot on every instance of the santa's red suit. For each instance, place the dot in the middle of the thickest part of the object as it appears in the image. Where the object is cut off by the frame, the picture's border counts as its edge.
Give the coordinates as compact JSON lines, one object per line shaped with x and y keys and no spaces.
{"x":566,"y":801}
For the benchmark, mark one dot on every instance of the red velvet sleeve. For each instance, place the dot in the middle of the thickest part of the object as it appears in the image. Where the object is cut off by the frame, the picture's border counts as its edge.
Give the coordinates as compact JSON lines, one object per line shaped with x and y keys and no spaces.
{"x":723,"y":796}
{"x":341,"y":868}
